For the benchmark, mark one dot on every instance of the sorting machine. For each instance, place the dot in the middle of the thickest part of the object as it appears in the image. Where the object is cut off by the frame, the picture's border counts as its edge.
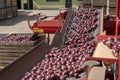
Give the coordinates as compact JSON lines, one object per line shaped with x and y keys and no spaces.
{"x":26,"y":62}
{"x":111,"y":28}
{"x":17,"y":69}
{"x":47,"y":26}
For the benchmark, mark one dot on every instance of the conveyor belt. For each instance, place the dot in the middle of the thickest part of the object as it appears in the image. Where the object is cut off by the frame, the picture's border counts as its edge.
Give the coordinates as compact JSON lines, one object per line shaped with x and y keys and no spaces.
{"x":59,"y":38}
{"x":26,"y":62}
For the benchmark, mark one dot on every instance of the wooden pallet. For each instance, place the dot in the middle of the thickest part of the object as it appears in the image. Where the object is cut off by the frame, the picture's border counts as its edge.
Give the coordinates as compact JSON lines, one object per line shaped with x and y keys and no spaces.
{"x":99,"y":2}
{"x":11,"y":51}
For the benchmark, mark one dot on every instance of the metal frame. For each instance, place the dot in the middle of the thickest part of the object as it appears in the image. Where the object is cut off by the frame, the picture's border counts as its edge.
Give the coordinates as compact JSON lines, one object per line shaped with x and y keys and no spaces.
{"x":47,"y":26}
{"x":101,"y":36}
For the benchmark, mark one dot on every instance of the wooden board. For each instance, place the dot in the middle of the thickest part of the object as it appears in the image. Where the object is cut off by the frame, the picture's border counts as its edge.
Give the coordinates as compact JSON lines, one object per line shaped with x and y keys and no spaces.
{"x":87,"y":2}
{"x":2,"y":3}
{"x":112,"y":10}
{"x":14,"y":2}
{"x":87,"y":5}
{"x":13,"y":51}
{"x":8,"y":3}
{"x":100,"y":7}
{"x":7,"y":58}
{"x":112,"y":3}
{"x":102,"y":51}
{"x":3,"y":14}
{"x":12,"y":54}
{"x":14,"y":11}
{"x":9,"y":12}
{"x":99,"y":2}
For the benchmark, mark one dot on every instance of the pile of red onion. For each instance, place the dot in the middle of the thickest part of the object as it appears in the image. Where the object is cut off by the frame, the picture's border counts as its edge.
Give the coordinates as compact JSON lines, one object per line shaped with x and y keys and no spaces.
{"x":84,"y":20}
{"x":16,"y":38}
{"x":66,"y":62}
{"x":114,"y":44}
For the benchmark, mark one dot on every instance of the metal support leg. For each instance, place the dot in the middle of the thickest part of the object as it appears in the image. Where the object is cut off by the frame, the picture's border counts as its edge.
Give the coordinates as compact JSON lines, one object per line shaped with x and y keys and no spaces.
{"x":117,"y":16}
{"x":48,"y":38}
{"x":118,"y":68}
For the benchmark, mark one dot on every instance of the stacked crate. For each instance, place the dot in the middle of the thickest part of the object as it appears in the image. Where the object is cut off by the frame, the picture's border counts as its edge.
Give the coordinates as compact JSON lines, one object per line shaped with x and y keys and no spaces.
{"x":100,"y":4}
{"x":2,"y":9}
{"x":11,"y":51}
{"x":80,"y":3}
{"x":95,"y":4}
{"x":112,"y":7}
{"x":14,"y":8}
{"x":8,"y":9}
{"x":110,"y":4}
{"x":87,"y":3}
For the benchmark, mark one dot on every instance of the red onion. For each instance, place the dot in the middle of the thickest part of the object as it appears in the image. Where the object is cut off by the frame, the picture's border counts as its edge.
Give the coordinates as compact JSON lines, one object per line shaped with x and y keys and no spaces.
{"x":17,"y":38}
{"x":66,"y":62}
{"x":114,"y":44}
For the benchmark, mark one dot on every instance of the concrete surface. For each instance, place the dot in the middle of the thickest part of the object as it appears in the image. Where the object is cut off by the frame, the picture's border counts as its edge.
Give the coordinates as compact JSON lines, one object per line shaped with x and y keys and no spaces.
{"x":19,"y":23}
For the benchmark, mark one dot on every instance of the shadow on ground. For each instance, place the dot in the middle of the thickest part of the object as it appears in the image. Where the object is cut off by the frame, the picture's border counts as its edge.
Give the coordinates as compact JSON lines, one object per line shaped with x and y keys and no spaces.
{"x":22,"y":16}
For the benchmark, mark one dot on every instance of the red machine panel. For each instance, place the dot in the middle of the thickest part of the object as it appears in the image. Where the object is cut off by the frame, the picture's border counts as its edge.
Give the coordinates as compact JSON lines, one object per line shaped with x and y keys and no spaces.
{"x":48,"y":26}
{"x":109,"y":26}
